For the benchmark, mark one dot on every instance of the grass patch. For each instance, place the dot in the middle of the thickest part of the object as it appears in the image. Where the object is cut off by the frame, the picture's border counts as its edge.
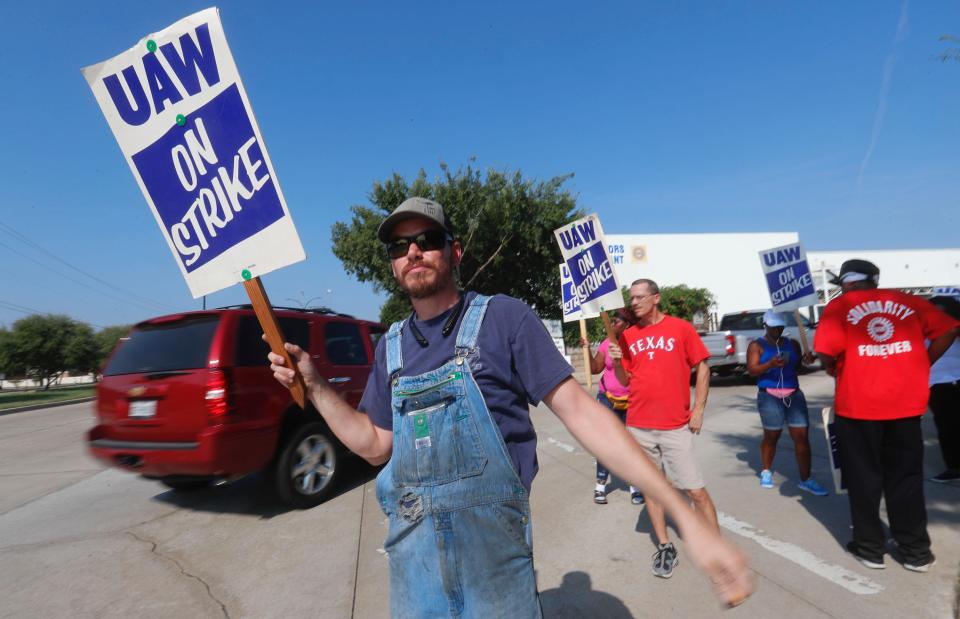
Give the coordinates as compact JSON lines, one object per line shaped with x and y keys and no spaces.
{"x":13,"y":399}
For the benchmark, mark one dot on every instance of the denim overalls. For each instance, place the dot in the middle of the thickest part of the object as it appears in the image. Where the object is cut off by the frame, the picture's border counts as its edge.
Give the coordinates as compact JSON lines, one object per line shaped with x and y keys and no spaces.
{"x":459,"y":539}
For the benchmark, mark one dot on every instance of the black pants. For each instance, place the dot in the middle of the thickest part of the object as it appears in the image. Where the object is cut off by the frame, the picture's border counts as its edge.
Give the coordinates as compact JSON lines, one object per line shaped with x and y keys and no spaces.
{"x":885,"y":458}
{"x":945,"y":405}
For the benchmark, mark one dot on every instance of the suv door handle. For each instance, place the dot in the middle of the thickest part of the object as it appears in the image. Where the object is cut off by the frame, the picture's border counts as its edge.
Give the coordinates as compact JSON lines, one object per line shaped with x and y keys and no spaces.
{"x":339,"y":380}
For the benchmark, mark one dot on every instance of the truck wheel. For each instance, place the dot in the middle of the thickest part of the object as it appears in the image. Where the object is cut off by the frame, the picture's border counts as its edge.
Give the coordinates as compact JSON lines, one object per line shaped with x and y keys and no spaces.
{"x":304,"y":473}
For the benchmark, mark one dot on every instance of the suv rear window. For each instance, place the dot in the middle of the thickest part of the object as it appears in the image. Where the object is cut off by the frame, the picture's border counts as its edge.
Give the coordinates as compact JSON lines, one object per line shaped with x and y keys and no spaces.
{"x":344,"y":343}
{"x":176,"y":345}
{"x":252,"y":350}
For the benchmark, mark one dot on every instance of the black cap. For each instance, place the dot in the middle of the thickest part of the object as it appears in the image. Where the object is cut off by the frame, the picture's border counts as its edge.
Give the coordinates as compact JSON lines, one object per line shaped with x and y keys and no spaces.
{"x":861,"y":267}
{"x":409,"y":209}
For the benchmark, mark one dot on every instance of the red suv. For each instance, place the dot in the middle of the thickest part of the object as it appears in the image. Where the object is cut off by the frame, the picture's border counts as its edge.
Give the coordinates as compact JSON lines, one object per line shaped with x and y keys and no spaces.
{"x":189,"y":399}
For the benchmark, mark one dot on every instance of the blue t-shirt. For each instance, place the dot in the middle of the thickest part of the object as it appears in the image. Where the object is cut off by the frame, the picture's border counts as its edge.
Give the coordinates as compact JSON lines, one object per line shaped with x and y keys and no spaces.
{"x":519,"y":365}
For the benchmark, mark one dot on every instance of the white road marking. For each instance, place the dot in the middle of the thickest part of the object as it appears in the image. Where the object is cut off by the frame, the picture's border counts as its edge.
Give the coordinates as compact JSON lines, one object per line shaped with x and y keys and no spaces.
{"x":851,"y":581}
{"x":562,"y":445}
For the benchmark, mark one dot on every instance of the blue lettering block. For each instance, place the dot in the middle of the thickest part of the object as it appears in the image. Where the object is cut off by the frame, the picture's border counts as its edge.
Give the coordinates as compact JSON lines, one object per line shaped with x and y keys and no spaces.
{"x":210,"y":193}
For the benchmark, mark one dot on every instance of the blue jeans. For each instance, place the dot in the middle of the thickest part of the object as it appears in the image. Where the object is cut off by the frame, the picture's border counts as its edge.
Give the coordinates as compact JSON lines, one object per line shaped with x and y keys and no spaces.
{"x":459,"y":538}
{"x":774,"y":412}
{"x":602,"y":472}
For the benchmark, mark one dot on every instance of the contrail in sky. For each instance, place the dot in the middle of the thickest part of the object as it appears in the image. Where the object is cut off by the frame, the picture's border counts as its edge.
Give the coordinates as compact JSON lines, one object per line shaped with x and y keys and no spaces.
{"x":888,"y":66}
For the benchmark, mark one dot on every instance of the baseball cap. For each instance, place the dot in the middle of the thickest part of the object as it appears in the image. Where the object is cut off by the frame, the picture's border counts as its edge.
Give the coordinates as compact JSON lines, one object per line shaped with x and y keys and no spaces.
{"x":409,"y":209}
{"x":856,"y":270}
{"x":773,"y":319}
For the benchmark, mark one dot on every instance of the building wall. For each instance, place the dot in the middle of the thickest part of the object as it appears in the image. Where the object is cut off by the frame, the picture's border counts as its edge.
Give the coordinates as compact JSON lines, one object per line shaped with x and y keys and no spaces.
{"x":729,"y":264}
{"x":726,"y":264}
{"x":899,"y":268}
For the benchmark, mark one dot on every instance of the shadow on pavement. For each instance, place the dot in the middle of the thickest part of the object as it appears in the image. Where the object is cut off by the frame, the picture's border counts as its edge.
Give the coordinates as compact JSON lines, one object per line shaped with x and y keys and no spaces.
{"x":833,"y":511}
{"x":576,"y":597}
{"x":251,"y":496}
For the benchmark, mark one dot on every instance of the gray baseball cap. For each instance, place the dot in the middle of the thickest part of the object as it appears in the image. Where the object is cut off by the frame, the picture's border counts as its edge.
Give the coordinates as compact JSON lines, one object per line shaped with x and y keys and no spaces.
{"x":409,"y":209}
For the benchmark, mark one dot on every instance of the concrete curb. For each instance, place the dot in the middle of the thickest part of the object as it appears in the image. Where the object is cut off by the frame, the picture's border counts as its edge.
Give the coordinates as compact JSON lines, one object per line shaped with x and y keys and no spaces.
{"x":33,"y":407}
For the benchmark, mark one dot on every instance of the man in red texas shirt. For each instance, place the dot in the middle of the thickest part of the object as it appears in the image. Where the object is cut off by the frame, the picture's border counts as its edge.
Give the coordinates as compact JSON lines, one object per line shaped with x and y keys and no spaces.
{"x":657,"y":354}
{"x":873,"y":341}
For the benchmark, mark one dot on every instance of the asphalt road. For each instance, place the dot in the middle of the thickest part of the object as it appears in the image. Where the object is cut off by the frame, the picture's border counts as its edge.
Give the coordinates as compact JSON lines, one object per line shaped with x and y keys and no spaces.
{"x":80,"y":541}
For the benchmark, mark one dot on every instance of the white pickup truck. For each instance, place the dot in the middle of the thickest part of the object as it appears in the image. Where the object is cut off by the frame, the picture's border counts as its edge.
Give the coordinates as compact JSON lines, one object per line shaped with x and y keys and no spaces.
{"x":728,"y":346}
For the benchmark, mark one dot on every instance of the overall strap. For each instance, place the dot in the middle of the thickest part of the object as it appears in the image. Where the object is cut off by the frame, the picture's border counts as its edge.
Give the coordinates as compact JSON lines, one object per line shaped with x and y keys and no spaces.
{"x":472,"y":319}
{"x":394,"y":349}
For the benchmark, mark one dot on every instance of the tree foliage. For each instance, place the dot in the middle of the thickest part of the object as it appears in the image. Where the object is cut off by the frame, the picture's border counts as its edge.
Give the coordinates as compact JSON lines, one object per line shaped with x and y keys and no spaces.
{"x":106,"y":339}
{"x":683,"y":301}
{"x":504,"y":222}
{"x":7,"y":366}
{"x":81,"y":355}
{"x":43,"y":347}
{"x":35,"y":347}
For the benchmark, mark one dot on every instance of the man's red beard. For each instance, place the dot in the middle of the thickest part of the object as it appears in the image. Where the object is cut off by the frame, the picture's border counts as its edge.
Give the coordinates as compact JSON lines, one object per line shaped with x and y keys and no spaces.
{"x":424,"y":283}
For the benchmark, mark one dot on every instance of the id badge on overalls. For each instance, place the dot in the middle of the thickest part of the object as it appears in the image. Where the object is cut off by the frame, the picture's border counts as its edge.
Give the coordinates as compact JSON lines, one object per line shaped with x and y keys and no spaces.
{"x":421,"y":430}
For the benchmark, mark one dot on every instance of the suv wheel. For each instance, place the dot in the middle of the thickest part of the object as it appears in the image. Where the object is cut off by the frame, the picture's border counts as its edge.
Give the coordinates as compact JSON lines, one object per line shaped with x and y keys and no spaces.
{"x":306,"y":469}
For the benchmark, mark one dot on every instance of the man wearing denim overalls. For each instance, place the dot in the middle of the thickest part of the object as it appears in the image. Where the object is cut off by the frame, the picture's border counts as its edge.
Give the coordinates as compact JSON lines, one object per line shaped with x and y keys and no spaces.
{"x":447,"y":408}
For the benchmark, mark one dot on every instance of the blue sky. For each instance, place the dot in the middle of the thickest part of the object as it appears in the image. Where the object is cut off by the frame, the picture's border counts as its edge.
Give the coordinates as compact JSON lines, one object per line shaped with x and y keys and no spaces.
{"x":833,"y":119}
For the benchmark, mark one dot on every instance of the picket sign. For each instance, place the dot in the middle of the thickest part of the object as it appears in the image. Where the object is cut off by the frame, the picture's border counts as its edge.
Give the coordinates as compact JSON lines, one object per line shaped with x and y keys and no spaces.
{"x":178,"y":109}
{"x":829,"y":429}
{"x":570,"y":304}
{"x":950,"y":291}
{"x":588,"y":280}
{"x":790,"y":283}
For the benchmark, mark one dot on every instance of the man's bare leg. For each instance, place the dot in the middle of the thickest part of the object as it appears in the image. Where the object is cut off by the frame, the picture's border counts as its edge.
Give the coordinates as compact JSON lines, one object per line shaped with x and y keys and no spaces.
{"x":659,"y":521}
{"x":704,"y":505}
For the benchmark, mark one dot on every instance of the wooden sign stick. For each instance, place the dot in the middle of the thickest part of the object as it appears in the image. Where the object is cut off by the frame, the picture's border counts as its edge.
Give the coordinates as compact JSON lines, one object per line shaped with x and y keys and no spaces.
{"x":802,"y":329}
{"x":608,"y":327}
{"x":586,"y":353}
{"x":268,"y":321}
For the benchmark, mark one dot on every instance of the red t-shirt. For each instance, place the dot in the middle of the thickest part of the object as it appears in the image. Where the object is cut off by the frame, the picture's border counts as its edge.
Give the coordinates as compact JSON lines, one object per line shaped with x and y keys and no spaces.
{"x":878,"y":338}
{"x":658,"y":358}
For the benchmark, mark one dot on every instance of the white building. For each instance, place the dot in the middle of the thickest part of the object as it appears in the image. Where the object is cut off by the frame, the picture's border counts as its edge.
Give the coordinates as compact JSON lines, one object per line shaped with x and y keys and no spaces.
{"x":729,"y":265}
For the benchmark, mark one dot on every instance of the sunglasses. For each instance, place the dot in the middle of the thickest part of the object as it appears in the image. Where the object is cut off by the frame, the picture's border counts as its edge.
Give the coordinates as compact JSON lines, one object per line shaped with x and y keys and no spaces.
{"x":428,"y":240}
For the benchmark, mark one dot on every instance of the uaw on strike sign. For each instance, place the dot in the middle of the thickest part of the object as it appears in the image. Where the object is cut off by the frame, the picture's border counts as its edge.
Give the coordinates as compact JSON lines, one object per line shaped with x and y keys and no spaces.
{"x":788,"y":277}
{"x":179,"y":111}
{"x":593,"y":287}
{"x":571,"y":303}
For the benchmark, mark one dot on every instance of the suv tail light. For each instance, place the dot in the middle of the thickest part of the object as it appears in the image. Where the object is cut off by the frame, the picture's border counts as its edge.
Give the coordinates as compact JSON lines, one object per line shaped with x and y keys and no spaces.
{"x":731,"y":347}
{"x":218,"y":395}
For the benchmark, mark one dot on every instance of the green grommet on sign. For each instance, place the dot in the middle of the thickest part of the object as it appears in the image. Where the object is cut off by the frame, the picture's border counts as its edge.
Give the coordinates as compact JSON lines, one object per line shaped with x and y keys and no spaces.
{"x":151,"y":46}
{"x":181,"y":120}
{"x":245,"y":274}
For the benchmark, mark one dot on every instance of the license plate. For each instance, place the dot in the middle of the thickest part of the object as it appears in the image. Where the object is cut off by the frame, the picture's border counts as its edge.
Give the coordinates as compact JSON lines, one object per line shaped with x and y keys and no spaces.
{"x":141,"y":409}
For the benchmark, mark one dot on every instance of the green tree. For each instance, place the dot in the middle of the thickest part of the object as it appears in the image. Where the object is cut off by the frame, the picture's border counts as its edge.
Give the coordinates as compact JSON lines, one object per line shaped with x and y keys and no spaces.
{"x":37,"y":345}
{"x":106,"y":340}
{"x":683,"y":301}
{"x":505,"y":223}
{"x":81,"y":354}
{"x":7,"y":367}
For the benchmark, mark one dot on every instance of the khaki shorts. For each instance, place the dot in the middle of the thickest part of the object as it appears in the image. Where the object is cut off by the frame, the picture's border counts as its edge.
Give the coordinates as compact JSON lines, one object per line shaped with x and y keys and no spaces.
{"x":672,"y":451}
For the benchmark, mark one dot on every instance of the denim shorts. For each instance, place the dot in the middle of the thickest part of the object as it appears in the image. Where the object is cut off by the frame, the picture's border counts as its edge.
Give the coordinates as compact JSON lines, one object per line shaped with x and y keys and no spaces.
{"x":774,"y":411}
